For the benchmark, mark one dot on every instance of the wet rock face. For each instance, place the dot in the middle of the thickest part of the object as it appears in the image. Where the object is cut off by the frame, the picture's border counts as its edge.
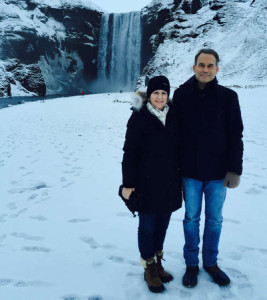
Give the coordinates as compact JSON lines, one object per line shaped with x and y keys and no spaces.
{"x":4,"y":88}
{"x":82,"y":28}
{"x":191,"y":7}
{"x":67,"y":34}
{"x":156,"y":17}
{"x":28,"y":76}
{"x":152,"y":21}
{"x":26,"y":46}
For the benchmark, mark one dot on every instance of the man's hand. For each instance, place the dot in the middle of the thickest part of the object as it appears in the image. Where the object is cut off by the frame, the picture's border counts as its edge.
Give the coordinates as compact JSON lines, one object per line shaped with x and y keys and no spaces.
{"x":231,"y":180}
{"x":126,"y":192}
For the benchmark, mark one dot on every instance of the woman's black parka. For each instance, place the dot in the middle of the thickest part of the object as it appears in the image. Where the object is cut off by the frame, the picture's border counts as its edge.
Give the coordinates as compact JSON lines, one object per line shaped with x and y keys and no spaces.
{"x":150,"y":160}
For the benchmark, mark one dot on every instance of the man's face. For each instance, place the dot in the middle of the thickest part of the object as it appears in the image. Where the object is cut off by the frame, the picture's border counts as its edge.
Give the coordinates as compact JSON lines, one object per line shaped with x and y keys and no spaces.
{"x":206,"y":69}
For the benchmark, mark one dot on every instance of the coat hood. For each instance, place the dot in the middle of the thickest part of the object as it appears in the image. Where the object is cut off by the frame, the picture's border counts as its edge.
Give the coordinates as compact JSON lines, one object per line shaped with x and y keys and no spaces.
{"x":139,"y":99}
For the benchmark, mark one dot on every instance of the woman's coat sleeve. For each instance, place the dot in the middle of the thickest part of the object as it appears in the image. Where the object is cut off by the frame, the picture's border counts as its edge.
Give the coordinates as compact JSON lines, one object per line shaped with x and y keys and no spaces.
{"x":131,"y":150}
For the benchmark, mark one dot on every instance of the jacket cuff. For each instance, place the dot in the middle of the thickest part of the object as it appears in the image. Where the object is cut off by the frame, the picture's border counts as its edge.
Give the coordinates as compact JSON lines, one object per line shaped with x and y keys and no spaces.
{"x":128,"y":186}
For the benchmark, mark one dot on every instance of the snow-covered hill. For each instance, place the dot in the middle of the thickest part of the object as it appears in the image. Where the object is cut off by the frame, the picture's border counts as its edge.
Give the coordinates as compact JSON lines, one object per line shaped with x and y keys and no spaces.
{"x":66,"y":235}
{"x":235,"y":29}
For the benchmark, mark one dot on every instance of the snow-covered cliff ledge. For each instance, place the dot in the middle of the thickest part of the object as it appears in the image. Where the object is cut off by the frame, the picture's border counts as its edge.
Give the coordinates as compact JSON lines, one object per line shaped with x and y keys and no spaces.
{"x":236,"y":29}
{"x":58,"y":38}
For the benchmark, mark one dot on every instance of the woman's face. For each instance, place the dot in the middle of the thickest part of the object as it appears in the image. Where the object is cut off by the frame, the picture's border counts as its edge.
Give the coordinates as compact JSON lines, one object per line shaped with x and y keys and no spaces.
{"x":159,"y":99}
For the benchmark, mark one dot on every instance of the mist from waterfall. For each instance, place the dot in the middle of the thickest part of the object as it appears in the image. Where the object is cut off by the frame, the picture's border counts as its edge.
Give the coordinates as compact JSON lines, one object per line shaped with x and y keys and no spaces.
{"x":118,"y":62}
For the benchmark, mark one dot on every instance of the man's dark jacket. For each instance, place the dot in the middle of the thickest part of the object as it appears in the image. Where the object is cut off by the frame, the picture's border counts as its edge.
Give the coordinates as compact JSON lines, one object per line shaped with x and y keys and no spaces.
{"x":211,"y":130}
{"x":150,"y":160}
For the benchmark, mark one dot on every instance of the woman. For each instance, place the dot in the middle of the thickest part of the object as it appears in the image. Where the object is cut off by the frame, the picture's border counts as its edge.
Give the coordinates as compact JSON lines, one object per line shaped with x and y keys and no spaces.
{"x":150,"y":169}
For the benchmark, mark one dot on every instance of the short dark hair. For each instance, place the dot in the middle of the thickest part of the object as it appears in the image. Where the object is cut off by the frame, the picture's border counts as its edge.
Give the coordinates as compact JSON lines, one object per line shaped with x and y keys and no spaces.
{"x":208,"y":51}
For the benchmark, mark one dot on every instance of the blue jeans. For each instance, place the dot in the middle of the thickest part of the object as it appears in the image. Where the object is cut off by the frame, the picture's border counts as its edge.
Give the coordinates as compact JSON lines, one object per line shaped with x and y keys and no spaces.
{"x":215,"y":195}
{"x":151,"y":233}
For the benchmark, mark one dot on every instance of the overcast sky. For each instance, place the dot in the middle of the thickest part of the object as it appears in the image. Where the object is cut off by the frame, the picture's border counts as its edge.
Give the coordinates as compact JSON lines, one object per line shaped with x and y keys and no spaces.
{"x":119,"y":6}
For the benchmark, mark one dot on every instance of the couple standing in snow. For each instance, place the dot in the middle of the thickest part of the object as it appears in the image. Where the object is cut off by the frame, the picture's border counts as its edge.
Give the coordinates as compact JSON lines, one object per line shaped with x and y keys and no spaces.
{"x":192,"y":145}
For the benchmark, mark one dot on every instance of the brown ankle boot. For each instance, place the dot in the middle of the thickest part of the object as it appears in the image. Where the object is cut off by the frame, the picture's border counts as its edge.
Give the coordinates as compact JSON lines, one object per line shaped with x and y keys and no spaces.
{"x":151,"y":275}
{"x":163,"y":275}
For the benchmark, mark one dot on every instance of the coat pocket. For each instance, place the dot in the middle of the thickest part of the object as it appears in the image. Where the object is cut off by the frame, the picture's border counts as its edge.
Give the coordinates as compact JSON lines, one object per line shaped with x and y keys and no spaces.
{"x":135,"y":201}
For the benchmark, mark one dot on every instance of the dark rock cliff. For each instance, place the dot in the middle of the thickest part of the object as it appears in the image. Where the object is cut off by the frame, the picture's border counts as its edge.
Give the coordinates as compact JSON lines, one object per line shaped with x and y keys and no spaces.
{"x":59,"y":46}
{"x":174,"y":30}
{"x":156,"y":16}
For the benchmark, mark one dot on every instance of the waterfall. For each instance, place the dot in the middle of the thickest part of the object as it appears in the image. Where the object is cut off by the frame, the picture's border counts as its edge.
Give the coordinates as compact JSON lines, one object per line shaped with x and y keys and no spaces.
{"x":118,"y":61}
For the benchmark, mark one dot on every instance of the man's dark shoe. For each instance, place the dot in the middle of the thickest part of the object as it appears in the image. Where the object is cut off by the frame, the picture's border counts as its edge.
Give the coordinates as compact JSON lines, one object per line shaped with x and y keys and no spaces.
{"x":190,"y":276}
{"x":218,"y":275}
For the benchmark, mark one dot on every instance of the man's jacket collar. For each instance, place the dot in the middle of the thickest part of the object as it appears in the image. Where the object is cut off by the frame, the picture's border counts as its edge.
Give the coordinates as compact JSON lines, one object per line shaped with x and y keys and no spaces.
{"x":192,"y":82}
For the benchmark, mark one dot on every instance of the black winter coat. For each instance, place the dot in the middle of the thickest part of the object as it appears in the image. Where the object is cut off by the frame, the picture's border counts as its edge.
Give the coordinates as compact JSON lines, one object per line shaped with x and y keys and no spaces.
{"x":150,"y":160}
{"x":211,"y":130}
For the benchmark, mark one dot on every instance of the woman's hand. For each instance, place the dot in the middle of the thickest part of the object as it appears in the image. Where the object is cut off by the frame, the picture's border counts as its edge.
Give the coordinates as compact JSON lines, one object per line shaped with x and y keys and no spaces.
{"x":126,"y":192}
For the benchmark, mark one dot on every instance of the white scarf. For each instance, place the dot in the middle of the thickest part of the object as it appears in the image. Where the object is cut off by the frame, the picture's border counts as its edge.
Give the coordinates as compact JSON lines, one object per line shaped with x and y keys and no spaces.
{"x":160,"y":114}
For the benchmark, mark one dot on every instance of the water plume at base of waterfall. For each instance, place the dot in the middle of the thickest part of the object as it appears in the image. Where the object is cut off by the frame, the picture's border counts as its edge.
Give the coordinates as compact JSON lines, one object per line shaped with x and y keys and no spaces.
{"x":118,"y":61}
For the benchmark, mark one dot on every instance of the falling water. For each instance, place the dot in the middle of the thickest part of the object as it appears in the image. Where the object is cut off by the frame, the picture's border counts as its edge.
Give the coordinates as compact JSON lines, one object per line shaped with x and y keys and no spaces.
{"x":119,"y":52}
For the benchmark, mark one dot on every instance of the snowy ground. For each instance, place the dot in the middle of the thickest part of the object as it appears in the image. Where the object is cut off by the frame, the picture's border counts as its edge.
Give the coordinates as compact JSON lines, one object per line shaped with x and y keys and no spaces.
{"x":65,"y":234}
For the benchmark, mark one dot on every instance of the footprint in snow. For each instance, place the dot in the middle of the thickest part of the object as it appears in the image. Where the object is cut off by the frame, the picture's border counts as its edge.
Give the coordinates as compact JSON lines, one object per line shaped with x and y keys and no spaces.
{"x":116,"y":259}
{"x":2,"y":237}
{"x":39,"y":218}
{"x":94,"y":245}
{"x":27,"y":174}
{"x":20,"y":283}
{"x":264,"y":187}
{"x":236,"y":274}
{"x":231,"y":221}
{"x":91,"y":242}
{"x":67,"y":184}
{"x":5,"y":281}
{"x":35,"y":283}
{"x":253,"y":191}
{"x":32,"y":197}
{"x":20,"y":212}
{"x":119,"y":259}
{"x":235,"y":255}
{"x":75,"y":297}
{"x":261,"y":250}
{"x":63,"y":179}
{"x":183,"y":293}
{"x":25,"y":236}
{"x":12,"y":205}
{"x":79,"y":220}
{"x":20,"y":190}
{"x":34,"y":161}
{"x":36,"y":249}
{"x":242,"y":282}
{"x":3,"y":218}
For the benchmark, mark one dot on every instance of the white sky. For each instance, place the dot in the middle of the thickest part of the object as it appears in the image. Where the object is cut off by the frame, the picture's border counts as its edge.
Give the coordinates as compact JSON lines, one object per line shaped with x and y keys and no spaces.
{"x":119,"y":6}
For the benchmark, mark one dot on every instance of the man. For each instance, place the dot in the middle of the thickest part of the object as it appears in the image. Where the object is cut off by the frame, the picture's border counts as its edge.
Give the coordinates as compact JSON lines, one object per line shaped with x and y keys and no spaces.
{"x":211,"y":160}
